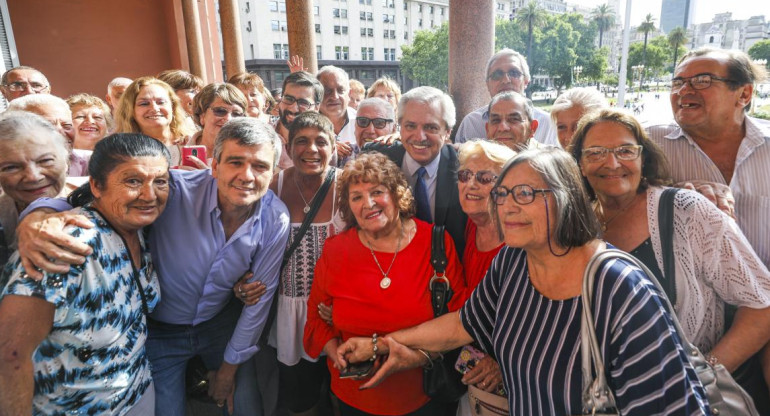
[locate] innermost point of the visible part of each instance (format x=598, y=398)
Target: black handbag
x=441, y=381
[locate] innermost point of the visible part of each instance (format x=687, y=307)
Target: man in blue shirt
x=217, y=227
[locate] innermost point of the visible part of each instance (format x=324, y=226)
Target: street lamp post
x=638, y=70
x=576, y=70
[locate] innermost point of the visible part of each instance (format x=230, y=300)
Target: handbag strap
x=315, y=205
x=666, y=224
x=440, y=290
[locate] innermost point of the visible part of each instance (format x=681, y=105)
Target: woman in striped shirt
x=527, y=309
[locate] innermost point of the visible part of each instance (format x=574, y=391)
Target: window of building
x=251, y=48
x=370, y=32
x=316, y=11
x=369, y=16
x=430, y=9
x=419, y=7
x=392, y=34
x=363, y=31
x=362, y=15
x=336, y=12
x=392, y=54
x=274, y=24
x=317, y=28
x=406, y=6
x=406, y=35
x=367, y=54
x=273, y=6
x=385, y=18
x=432, y=24
x=344, y=13
x=501, y=6
x=441, y=11
x=280, y=76
x=318, y=52
x=341, y=53
x=283, y=26
x=385, y=33
x=337, y=29
x=344, y=30
x=419, y=22
x=248, y=7
x=280, y=51
x=282, y=6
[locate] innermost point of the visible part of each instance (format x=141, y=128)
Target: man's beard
x=283, y=117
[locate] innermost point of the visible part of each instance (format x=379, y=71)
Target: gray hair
x=584, y=97
x=380, y=104
x=19, y=125
x=4, y=78
x=576, y=223
x=495, y=152
x=31, y=101
x=506, y=52
x=335, y=70
x=117, y=82
x=248, y=131
x=513, y=96
x=430, y=95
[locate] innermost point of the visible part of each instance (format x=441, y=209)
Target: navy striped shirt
x=537, y=342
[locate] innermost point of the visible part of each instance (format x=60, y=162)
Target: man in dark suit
x=426, y=116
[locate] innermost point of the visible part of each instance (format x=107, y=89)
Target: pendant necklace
x=605, y=223
x=307, y=206
x=385, y=282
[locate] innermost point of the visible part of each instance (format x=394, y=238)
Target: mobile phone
x=197, y=151
x=468, y=359
x=356, y=370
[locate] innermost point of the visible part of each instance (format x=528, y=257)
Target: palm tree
x=605, y=18
x=647, y=26
x=677, y=38
x=531, y=15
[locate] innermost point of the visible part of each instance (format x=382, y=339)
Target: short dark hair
x=576, y=222
x=314, y=120
x=655, y=170
x=741, y=69
x=248, y=131
x=110, y=152
x=305, y=79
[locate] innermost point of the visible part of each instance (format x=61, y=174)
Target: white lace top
x=714, y=264
x=294, y=286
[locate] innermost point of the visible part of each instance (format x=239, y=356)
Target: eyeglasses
x=697, y=82
x=302, y=103
x=483, y=177
x=222, y=112
x=22, y=86
x=522, y=194
x=597, y=154
x=499, y=74
x=379, y=123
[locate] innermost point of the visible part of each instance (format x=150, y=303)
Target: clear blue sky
x=704, y=9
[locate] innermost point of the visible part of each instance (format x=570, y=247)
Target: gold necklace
x=605, y=223
x=385, y=282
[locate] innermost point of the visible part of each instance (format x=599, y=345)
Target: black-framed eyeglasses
x=595, y=154
x=222, y=112
x=499, y=74
x=522, y=194
x=483, y=177
x=697, y=82
x=379, y=123
x=22, y=86
x=302, y=103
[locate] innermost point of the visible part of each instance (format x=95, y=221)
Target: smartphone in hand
x=357, y=370
x=197, y=151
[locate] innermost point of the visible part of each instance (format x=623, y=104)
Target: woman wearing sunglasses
x=527, y=309
x=214, y=106
x=480, y=163
x=714, y=265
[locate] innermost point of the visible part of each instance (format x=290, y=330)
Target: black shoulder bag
x=666, y=228
x=441, y=381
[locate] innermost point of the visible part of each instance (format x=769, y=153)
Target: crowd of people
x=289, y=243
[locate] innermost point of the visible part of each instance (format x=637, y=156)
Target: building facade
x=676, y=13
x=724, y=32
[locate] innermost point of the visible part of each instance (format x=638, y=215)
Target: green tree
x=647, y=26
x=604, y=17
x=677, y=38
x=657, y=56
x=533, y=16
x=559, y=40
x=509, y=34
x=760, y=50
x=426, y=60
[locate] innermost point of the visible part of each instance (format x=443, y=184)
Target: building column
x=471, y=43
x=301, y=27
x=194, y=37
x=231, y=37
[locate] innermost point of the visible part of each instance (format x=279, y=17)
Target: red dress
x=347, y=277
x=475, y=262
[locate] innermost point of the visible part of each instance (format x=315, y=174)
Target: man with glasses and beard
x=507, y=70
x=301, y=92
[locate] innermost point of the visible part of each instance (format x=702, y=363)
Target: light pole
x=638, y=69
x=576, y=70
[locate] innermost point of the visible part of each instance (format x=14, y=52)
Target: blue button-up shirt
x=198, y=266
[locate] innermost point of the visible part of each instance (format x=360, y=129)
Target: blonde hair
x=357, y=86
x=124, y=116
x=387, y=83
x=88, y=100
x=495, y=152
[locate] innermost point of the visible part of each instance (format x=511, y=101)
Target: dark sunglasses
x=499, y=74
x=379, y=123
x=483, y=177
x=221, y=112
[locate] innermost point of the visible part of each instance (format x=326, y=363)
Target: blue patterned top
x=93, y=361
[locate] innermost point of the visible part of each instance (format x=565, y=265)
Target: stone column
x=192, y=32
x=231, y=37
x=471, y=43
x=301, y=27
